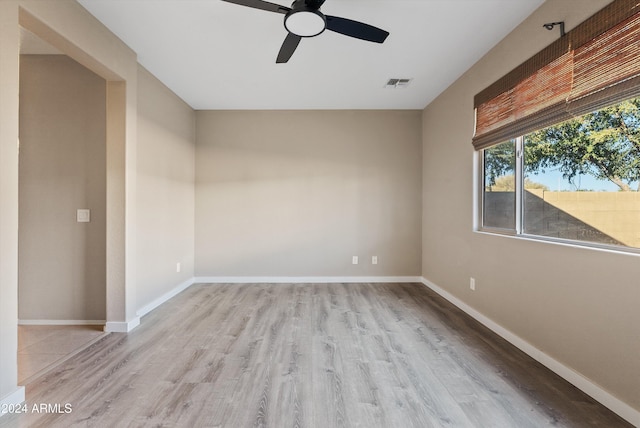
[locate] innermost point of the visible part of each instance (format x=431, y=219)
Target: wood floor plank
x=308, y=355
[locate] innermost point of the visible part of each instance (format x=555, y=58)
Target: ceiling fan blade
x=259, y=4
x=288, y=48
x=356, y=29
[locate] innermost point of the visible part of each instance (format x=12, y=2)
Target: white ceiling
x=218, y=55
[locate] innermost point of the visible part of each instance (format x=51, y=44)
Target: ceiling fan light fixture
x=305, y=23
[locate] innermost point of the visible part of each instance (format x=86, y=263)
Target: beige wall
x=578, y=305
x=282, y=193
x=62, y=168
x=166, y=148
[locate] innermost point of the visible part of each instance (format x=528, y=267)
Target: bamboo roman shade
x=594, y=65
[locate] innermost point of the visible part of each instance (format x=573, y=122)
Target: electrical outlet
x=374, y=260
x=472, y=283
x=178, y=267
x=354, y=260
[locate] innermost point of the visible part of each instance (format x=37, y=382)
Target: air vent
x=397, y=83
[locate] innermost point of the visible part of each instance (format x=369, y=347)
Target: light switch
x=83, y=216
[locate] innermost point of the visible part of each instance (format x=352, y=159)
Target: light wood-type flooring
x=307, y=355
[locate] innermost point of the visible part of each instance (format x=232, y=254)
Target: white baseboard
x=121, y=327
x=61, y=322
x=567, y=373
x=160, y=300
x=13, y=399
x=302, y=279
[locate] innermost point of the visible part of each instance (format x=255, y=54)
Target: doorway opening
x=62, y=207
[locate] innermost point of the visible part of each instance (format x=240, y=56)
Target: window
x=578, y=180
x=560, y=136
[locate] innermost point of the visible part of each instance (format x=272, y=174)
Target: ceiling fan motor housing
x=305, y=20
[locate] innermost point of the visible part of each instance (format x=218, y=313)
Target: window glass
x=582, y=177
x=499, y=190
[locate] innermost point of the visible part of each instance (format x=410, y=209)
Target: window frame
x=481, y=197
x=518, y=231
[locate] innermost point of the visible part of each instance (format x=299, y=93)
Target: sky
x=554, y=181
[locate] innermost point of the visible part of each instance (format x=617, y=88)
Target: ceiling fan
x=304, y=19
